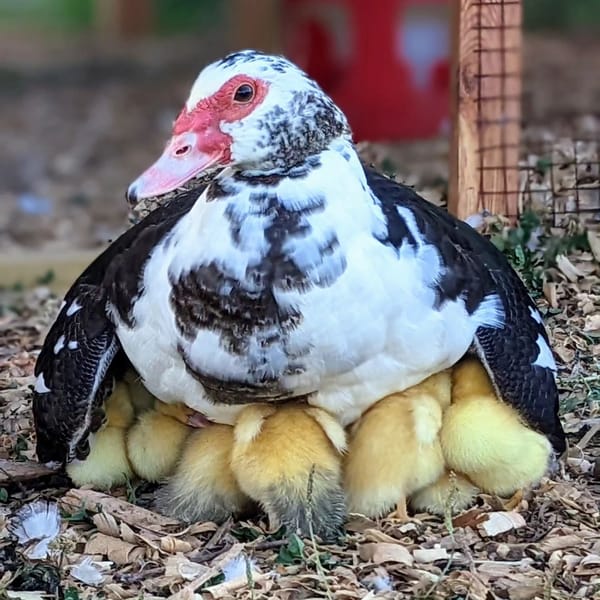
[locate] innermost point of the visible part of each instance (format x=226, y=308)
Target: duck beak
x=180, y=162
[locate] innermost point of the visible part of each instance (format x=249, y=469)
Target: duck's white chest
x=270, y=292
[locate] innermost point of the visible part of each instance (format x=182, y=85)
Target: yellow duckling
x=289, y=459
x=107, y=464
x=394, y=449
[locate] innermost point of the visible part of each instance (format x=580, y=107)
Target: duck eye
x=244, y=93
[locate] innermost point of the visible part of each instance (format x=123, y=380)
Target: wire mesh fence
x=559, y=174
x=506, y=166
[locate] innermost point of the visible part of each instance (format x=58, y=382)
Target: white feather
x=89, y=571
x=37, y=522
x=60, y=344
x=40, y=385
x=73, y=308
x=545, y=359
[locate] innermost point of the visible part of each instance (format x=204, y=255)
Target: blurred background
x=89, y=90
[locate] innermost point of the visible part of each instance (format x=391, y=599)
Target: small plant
x=293, y=552
x=532, y=247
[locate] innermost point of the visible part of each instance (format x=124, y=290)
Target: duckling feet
x=514, y=500
x=401, y=513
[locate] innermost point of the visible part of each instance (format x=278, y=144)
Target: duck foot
x=514, y=500
x=401, y=513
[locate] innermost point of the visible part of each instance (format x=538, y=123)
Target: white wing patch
x=535, y=315
x=75, y=306
x=72, y=345
x=545, y=358
x=411, y=223
x=40, y=385
x=60, y=344
x=490, y=313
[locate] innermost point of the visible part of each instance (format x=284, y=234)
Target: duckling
x=107, y=464
x=451, y=493
x=394, y=449
x=141, y=398
x=486, y=439
x=204, y=487
x=289, y=459
x=155, y=442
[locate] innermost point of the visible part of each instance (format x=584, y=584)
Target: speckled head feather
x=295, y=119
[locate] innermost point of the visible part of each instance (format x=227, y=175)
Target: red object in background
x=384, y=62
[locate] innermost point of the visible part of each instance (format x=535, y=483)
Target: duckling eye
x=244, y=93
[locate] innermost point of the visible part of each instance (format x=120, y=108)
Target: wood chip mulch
x=544, y=544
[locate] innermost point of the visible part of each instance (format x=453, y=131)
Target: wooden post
x=486, y=110
x=122, y=18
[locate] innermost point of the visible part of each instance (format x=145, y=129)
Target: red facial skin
x=198, y=143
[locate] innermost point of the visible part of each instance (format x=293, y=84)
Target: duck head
x=250, y=111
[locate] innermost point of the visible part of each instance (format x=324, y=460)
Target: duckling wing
x=513, y=345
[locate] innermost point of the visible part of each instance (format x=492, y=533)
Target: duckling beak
x=181, y=161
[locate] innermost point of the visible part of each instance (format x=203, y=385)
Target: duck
x=155, y=441
x=204, y=486
x=394, y=449
x=295, y=272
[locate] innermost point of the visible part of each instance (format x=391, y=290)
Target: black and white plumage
x=299, y=272
x=81, y=356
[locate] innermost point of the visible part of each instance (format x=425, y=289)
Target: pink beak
x=180, y=162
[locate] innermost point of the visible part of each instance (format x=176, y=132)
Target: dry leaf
x=107, y=524
x=118, y=551
x=127, y=533
x=549, y=289
x=173, y=545
x=125, y=512
x=470, y=518
x=569, y=270
x=189, y=589
x=594, y=241
x=500, y=522
x=225, y=589
x=559, y=542
x=182, y=568
x=376, y=535
x=429, y=555
x=382, y=552
x=27, y=470
x=526, y=590
x=592, y=323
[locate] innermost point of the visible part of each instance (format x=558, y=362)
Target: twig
x=320, y=570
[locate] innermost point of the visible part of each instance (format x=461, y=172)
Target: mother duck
x=298, y=271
